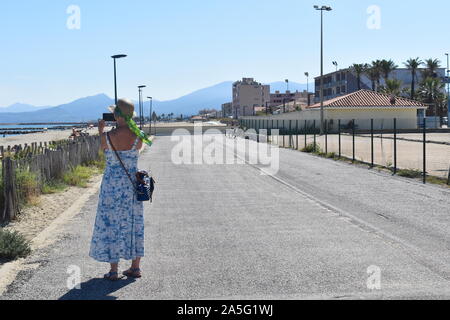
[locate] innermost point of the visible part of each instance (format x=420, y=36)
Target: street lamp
x=115, y=57
x=321, y=9
x=141, y=113
x=287, y=85
x=448, y=89
x=151, y=114
x=307, y=86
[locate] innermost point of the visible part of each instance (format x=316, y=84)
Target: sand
x=33, y=220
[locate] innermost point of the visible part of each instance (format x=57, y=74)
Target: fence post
x=306, y=132
x=353, y=134
x=424, y=150
x=10, y=195
x=395, y=145
x=326, y=136
x=371, y=144
x=296, y=135
x=314, y=128
x=339, y=134
x=290, y=133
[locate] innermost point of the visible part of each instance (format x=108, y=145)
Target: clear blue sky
x=182, y=45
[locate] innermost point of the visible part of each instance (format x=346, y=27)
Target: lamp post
x=448, y=90
x=115, y=57
x=307, y=86
x=141, y=113
x=151, y=114
x=287, y=85
x=321, y=9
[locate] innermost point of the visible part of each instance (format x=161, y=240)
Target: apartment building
x=278, y=99
x=249, y=96
x=227, y=109
x=344, y=81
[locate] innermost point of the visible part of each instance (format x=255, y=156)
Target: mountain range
x=92, y=108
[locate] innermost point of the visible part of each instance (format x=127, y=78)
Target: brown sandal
x=111, y=276
x=133, y=273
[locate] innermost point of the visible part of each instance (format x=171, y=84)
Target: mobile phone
x=109, y=117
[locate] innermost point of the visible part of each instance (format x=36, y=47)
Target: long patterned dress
x=119, y=225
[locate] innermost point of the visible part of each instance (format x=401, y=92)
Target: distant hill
x=92, y=108
x=20, y=107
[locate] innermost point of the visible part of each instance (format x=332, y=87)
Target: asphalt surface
x=230, y=232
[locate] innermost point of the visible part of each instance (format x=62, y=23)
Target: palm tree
x=393, y=86
x=431, y=92
x=413, y=65
x=373, y=72
x=431, y=67
x=386, y=67
x=359, y=69
x=377, y=67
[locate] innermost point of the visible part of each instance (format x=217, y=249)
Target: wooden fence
x=44, y=162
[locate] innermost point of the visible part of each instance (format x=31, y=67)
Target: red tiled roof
x=367, y=98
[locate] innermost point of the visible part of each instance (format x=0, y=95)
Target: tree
x=431, y=92
x=413, y=65
x=386, y=67
x=154, y=116
x=359, y=69
x=376, y=71
x=393, y=86
x=374, y=75
x=431, y=68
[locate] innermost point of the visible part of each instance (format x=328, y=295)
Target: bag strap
x=120, y=160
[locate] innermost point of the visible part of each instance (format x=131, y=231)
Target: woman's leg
x=136, y=263
x=114, y=267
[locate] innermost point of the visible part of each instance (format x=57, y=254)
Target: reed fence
x=43, y=163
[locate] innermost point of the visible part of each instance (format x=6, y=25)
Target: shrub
x=27, y=186
x=13, y=245
x=79, y=176
x=312, y=148
x=410, y=173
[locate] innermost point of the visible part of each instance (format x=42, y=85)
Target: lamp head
x=143, y=86
x=118, y=56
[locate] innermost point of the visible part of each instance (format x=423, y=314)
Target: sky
x=51, y=55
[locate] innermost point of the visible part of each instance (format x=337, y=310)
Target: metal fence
x=42, y=163
x=377, y=142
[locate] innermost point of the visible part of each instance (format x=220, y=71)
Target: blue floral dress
x=119, y=225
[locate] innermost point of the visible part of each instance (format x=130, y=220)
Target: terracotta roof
x=367, y=98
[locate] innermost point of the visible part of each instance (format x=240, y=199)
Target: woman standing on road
x=119, y=225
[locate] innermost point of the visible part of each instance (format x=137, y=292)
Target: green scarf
x=134, y=128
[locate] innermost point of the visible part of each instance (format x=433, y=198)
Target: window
x=343, y=89
x=338, y=77
x=338, y=90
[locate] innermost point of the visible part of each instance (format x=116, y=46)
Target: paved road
x=229, y=232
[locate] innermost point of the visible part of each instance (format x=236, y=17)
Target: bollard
x=395, y=146
x=353, y=134
x=371, y=143
x=339, y=137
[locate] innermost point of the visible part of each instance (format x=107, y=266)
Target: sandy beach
x=51, y=135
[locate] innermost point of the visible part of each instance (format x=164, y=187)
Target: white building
x=249, y=95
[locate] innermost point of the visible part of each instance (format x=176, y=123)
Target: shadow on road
x=97, y=289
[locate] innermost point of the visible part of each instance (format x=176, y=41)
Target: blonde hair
x=126, y=106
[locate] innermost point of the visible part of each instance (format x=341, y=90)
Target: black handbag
x=145, y=184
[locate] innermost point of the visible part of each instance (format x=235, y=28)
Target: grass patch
x=13, y=245
x=312, y=148
x=79, y=176
x=410, y=173
x=53, y=187
x=100, y=163
x=27, y=187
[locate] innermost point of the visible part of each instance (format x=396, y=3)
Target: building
x=344, y=81
x=301, y=99
x=248, y=95
x=227, y=109
x=361, y=106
